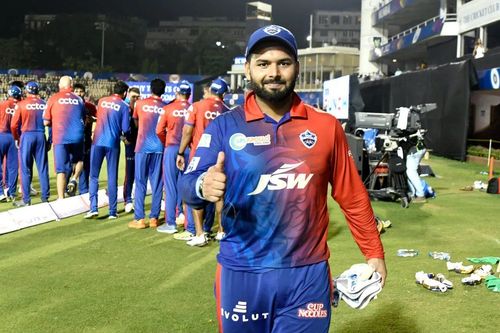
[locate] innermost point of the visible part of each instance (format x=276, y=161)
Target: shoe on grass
x=129, y=207
x=419, y=200
x=21, y=204
x=180, y=219
x=198, y=241
x=113, y=217
x=154, y=222
x=137, y=224
x=184, y=236
x=91, y=215
x=220, y=235
x=167, y=229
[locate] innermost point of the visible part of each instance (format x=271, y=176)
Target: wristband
x=180, y=154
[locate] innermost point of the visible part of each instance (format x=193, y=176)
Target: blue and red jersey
x=147, y=111
x=169, y=128
x=201, y=114
x=66, y=112
x=7, y=110
x=275, y=205
x=112, y=121
x=28, y=116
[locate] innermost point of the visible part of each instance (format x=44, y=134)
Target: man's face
x=272, y=72
x=133, y=97
x=80, y=92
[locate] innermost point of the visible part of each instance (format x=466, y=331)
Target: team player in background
x=169, y=131
x=112, y=124
x=133, y=96
x=90, y=114
x=201, y=114
x=29, y=134
x=272, y=163
x=8, y=151
x=65, y=113
x=148, y=156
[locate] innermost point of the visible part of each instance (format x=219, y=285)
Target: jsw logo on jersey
x=282, y=179
x=70, y=101
x=211, y=115
x=35, y=106
x=10, y=110
x=110, y=105
x=152, y=109
x=180, y=113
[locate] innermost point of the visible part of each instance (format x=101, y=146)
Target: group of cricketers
x=158, y=137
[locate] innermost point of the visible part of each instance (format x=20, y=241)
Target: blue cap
x=32, y=88
x=15, y=91
x=219, y=86
x=275, y=33
x=184, y=87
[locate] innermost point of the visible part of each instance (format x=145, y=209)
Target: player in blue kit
x=133, y=96
x=112, y=123
x=169, y=130
x=29, y=133
x=65, y=113
x=8, y=150
x=148, y=156
x=272, y=163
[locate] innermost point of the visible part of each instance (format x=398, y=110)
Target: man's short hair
x=158, y=87
x=120, y=88
x=134, y=89
x=65, y=82
x=79, y=86
x=273, y=33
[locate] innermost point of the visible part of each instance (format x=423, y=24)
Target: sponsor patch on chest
x=308, y=139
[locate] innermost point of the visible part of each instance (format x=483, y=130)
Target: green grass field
x=82, y=275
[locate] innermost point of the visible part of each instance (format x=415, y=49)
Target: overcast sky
x=293, y=14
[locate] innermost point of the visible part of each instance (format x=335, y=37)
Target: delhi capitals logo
x=272, y=30
x=308, y=138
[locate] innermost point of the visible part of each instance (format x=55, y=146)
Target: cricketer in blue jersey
x=148, y=156
x=8, y=152
x=28, y=130
x=272, y=163
x=112, y=123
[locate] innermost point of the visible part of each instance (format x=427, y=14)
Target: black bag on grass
x=493, y=186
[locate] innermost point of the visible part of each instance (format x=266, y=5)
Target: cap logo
x=272, y=30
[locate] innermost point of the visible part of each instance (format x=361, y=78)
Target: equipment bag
x=493, y=186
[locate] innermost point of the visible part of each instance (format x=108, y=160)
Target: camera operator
x=414, y=149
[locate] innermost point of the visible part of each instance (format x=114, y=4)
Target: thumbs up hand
x=214, y=183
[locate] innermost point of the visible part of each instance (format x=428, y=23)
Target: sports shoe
x=129, y=207
x=441, y=278
x=180, y=219
x=220, y=235
x=167, y=229
x=112, y=217
x=184, y=236
x=458, y=267
x=484, y=271
x=91, y=215
x=154, y=222
x=471, y=280
x=3, y=198
x=198, y=241
x=137, y=224
x=419, y=200
x=21, y=203
x=71, y=188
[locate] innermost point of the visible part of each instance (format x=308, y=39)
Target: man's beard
x=273, y=96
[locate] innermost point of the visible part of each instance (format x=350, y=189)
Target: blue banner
x=489, y=79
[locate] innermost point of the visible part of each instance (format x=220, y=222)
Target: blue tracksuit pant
x=33, y=146
x=129, y=172
x=148, y=166
x=8, y=151
x=97, y=155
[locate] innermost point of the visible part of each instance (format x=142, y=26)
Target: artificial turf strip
x=96, y=275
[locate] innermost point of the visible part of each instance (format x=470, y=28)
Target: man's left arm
x=350, y=193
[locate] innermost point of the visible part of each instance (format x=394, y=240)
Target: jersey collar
x=253, y=112
x=66, y=90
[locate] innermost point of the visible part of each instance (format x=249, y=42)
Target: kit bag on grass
x=493, y=186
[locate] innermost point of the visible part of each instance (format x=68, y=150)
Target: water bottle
x=440, y=255
x=407, y=253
